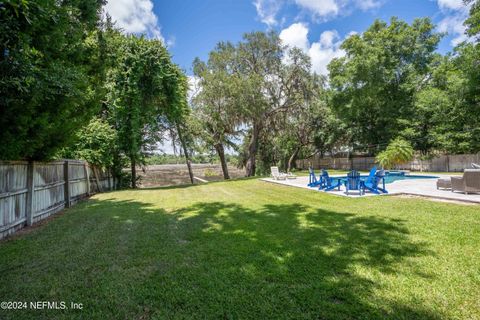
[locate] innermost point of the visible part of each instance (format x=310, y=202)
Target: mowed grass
x=248, y=250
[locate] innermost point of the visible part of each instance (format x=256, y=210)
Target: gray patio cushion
x=469, y=182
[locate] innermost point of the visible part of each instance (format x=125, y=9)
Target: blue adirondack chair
x=371, y=174
x=328, y=183
x=312, y=180
x=373, y=181
x=353, y=182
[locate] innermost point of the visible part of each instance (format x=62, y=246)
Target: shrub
x=399, y=151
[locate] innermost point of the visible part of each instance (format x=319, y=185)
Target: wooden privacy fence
x=363, y=163
x=442, y=163
x=32, y=191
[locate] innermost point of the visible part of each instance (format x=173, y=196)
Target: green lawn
x=248, y=249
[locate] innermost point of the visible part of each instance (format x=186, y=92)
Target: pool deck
x=413, y=187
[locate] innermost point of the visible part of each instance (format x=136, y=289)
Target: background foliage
x=73, y=85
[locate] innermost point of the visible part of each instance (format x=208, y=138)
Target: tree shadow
x=223, y=260
x=292, y=261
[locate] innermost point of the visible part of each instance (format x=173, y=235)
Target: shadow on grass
x=224, y=260
x=196, y=184
x=300, y=261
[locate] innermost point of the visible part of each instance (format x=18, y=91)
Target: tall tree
x=51, y=69
x=293, y=131
x=374, y=85
x=185, y=139
x=214, y=105
x=448, y=103
x=146, y=90
x=266, y=85
x=473, y=21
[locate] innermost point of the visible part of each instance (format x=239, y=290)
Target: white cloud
x=451, y=4
x=455, y=12
x=321, y=52
x=267, y=11
x=320, y=8
x=135, y=16
x=295, y=36
x=328, y=9
x=366, y=5
x=325, y=50
x=351, y=33
x=453, y=25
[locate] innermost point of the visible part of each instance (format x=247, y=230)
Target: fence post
x=109, y=182
x=31, y=190
x=66, y=186
x=87, y=175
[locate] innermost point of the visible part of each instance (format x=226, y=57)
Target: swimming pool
x=394, y=176
x=391, y=178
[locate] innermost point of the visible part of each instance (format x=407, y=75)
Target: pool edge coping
x=269, y=180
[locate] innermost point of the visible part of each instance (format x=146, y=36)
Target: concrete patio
x=416, y=187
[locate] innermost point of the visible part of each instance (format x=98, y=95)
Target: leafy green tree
x=214, y=105
x=267, y=87
x=330, y=133
x=257, y=66
x=374, y=85
x=51, y=69
x=96, y=143
x=294, y=131
x=146, y=90
x=446, y=117
x=473, y=21
x=467, y=116
x=185, y=138
x=399, y=151
x=266, y=90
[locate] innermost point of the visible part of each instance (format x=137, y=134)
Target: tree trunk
x=133, y=171
x=252, y=151
x=221, y=154
x=189, y=167
x=185, y=152
x=292, y=158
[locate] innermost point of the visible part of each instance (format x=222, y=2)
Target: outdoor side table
x=444, y=183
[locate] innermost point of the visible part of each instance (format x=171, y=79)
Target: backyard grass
x=248, y=249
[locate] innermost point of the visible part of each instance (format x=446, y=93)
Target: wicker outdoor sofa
x=468, y=183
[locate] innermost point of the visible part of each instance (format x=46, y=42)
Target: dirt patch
x=177, y=174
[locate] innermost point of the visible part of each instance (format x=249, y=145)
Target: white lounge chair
x=277, y=175
x=291, y=176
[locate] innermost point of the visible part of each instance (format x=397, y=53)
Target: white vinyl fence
x=32, y=191
x=443, y=163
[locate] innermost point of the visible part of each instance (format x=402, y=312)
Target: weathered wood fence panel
x=13, y=196
x=442, y=163
x=100, y=180
x=48, y=186
x=77, y=181
x=32, y=191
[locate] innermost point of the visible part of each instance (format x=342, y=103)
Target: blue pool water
x=393, y=176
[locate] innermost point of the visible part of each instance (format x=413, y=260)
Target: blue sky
x=191, y=28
